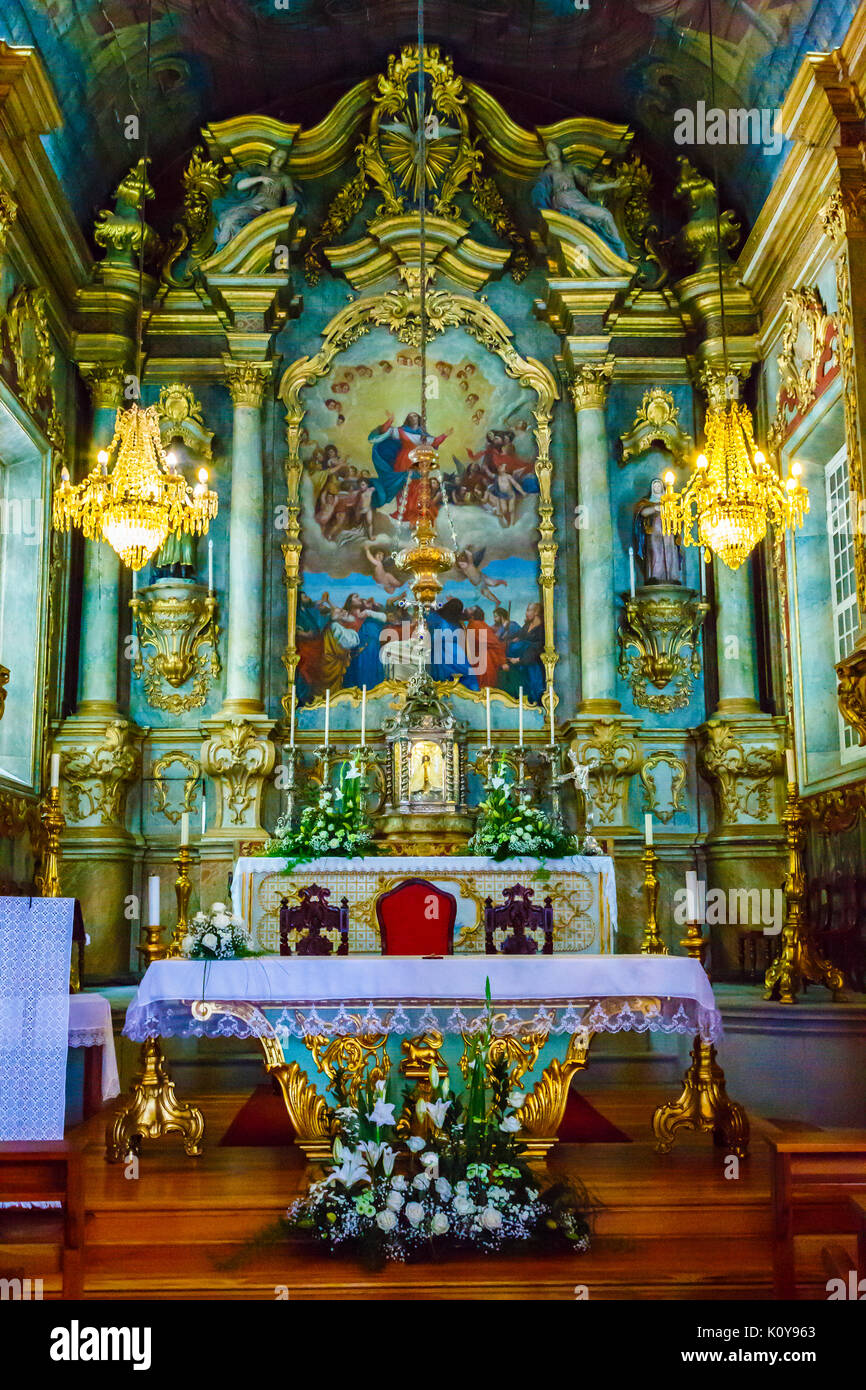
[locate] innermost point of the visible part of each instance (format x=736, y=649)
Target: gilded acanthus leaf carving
x=741, y=775
x=97, y=779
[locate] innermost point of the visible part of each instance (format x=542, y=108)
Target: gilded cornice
x=838, y=809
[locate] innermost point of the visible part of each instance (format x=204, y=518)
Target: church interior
x=496, y=945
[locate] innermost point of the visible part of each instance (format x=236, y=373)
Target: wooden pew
x=814, y=1174
x=50, y=1172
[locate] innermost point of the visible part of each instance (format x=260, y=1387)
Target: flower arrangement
x=216, y=935
x=335, y=824
x=508, y=824
x=460, y=1182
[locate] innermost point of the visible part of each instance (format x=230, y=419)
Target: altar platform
x=582, y=889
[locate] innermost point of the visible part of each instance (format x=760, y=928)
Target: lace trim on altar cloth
x=172, y=1019
x=87, y=1037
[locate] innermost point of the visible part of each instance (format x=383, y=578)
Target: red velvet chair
x=417, y=919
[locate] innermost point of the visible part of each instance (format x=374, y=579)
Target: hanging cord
x=145, y=141
x=716, y=182
x=422, y=213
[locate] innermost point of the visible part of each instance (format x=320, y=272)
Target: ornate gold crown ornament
x=425, y=557
x=141, y=500
x=733, y=494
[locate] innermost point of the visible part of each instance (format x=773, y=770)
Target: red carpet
x=262, y=1122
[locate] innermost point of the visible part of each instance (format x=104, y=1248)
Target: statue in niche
x=566, y=188
x=176, y=557
x=261, y=191
x=660, y=555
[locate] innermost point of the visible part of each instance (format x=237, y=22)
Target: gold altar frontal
x=584, y=917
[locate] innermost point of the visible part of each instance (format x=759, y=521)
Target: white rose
x=516, y=1099
x=440, y=1223
x=510, y=1125
x=443, y=1187
x=210, y=940
x=491, y=1219
x=218, y=907
x=415, y=1213
x=421, y=1182
x=395, y=1201
x=386, y=1220
x=415, y=1142
x=399, y=1183
x=464, y=1206
x=462, y=1189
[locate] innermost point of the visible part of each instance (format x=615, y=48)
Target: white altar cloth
x=405, y=994
x=583, y=889
x=90, y=1026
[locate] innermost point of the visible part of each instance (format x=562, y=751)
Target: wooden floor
x=671, y=1227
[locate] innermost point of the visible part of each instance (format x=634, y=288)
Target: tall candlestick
x=184, y=828
x=648, y=829
x=55, y=770
x=292, y=720
x=631, y=570
x=210, y=565
x=327, y=715
x=363, y=716
x=520, y=717
x=487, y=702
x=153, y=900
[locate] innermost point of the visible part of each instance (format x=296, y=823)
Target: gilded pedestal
x=703, y=1105
x=152, y=1110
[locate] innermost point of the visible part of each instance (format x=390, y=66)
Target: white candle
x=487, y=701
x=292, y=721
x=363, y=716
x=134, y=581
x=210, y=565
x=153, y=900
x=520, y=725
x=552, y=733
x=184, y=828
x=327, y=715
x=648, y=829
x=631, y=570
x=702, y=565
x=789, y=761
x=203, y=810
x=55, y=770
x=691, y=896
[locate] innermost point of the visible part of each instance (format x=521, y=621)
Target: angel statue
x=565, y=188
x=263, y=191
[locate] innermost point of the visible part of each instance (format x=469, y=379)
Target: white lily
x=382, y=1113
x=352, y=1170
x=437, y=1110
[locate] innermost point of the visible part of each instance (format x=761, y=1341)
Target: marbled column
x=100, y=605
x=246, y=382
x=735, y=639
x=589, y=387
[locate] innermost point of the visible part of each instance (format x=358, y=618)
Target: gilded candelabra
x=652, y=944
x=53, y=825
x=519, y=756
x=292, y=759
x=552, y=755
x=183, y=889
x=798, y=960
x=151, y=948
x=484, y=764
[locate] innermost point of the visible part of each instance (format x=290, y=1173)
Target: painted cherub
x=385, y=578
x=468, y=563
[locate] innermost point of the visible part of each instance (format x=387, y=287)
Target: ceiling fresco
x=624, y=60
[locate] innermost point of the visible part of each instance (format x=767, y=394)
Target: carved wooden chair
x=317, y=920
x=521, y=920
x=417, y=919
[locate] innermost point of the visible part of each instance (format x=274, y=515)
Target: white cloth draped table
x=583, y=889
x=90, y=1026
x=408, y=994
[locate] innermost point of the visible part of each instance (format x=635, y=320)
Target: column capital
x=105, y=383
x=590, y=383
x=247, y=380
x=717, y=386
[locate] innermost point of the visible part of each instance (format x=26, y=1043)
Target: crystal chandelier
x=733, y=493
x=137, y=504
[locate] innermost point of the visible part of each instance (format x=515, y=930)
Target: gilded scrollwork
x=180, y=417
x=159, y=798
x=121, y=230
x=192, y=237
x=240, y=756
x=612, y=757
x=25, y=322
x=351, y=1060
x=8, y=214
x=741, y=775
x=707, y=237
x=657, y=422
x=651, y=792
x=662, y=629
x=97, y=779
x=183, y=630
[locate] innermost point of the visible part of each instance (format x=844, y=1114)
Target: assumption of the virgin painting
x=359, y=502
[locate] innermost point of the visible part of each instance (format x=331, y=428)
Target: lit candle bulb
x=363, y=716
x=184, y=829
x=520, y=718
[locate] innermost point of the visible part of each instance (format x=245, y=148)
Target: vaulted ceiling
x=624, y=60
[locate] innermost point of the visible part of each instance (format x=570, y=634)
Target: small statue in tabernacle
x=175, y=558
x=263, y=191
x=660, y=555
x=566, y=188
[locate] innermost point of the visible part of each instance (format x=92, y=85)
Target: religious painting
x=359, y=498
